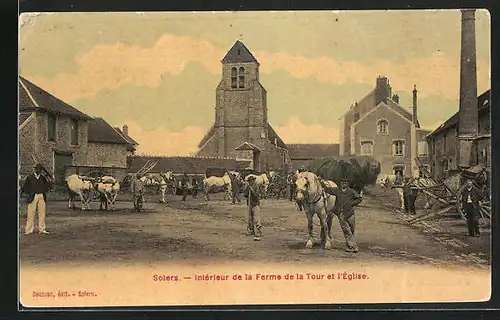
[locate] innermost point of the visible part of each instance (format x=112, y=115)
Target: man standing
x=398, y=186
x=469, y=200
x=185, y=186
x=254, y=223
x=235, y=188
x=291, y=184
x=137, y=187
x=36, y=187
x=346, y=200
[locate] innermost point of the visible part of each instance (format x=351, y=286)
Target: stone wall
x=107, y=155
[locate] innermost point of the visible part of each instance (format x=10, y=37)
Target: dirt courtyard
x=215, y=230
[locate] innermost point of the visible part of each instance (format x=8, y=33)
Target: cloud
x=294, y=131
x=162, y=141
x=107, y=67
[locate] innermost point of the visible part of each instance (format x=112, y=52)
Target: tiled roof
x=483, y=102
x=313, y=151
x=207, y=136
x=272, y=135
x=238, y=53
x=401, y=110
x=132, y=141
x=101, y=131
x=185, y=164
x=23, y=116
x=32, y=97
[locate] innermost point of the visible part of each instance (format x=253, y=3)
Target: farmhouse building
x=64, y=139
x=50, y=131
x=241, y=128
x=302, y=154
x=380, y=127
x=444, y=153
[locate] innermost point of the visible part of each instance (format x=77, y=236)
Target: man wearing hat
x=254, y=223
x=137, y=187
x=469, y=201
x=346, y=200
x=36, y=187
x=409, y=195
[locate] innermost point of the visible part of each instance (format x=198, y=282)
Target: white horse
x=108, y=188
x=389, y=181
x=160, y=180
x=78, y=185
x=214, y=182
x=261, y=181
x=312, y=197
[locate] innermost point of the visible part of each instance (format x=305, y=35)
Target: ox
x=311, y=196
x=160, y=180
x=107, y=188
x=213, y=182
x=261, y=181
x=78, y=185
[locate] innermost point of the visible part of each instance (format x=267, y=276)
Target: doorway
x=61, y=161
x=399, y=170
x=256, y=161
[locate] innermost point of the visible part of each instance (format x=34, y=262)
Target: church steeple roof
x=239, y=53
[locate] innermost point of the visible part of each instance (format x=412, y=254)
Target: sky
x=157, y=71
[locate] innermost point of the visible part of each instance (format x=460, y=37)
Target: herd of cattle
x=106, y=188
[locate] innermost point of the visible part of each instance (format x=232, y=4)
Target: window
x=366, y=148
x=382, y=126
x=52, y=127
x=241, y=78
x=422, y=148
x=74, y=132
x=398, y=148
x=234, y=77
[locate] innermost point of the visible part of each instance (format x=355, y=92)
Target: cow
x=262, y=181
x=107, y=187
x=213, y=182
x=81, y=186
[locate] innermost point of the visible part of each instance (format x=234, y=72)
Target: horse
x=107, y=188
x=214, y=182
x=313, y=198
x=78, y=185
x=261, y=181
x=160, y=180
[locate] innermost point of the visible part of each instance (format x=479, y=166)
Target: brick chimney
x=415, y=109
x=395, y=98
x=467, y=115
x=125, y=130
x=382, y=90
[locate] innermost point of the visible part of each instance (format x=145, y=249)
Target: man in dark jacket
x=36, y=187
x=410, y=195
x=469, y=200
x=254, y=221
x=235, y=188
x=346, y=200
x=291, y=184
x=185, y=186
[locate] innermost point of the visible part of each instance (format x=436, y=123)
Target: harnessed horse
x=313, y=198
x=261, y=181
x=161, y=180
x=214, y=182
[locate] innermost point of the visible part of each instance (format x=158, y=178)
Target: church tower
x=241, y=127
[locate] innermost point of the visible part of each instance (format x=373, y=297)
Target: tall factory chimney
x=467, y=115
x=415, y=110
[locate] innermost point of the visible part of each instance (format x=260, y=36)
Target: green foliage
x=361, y=171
